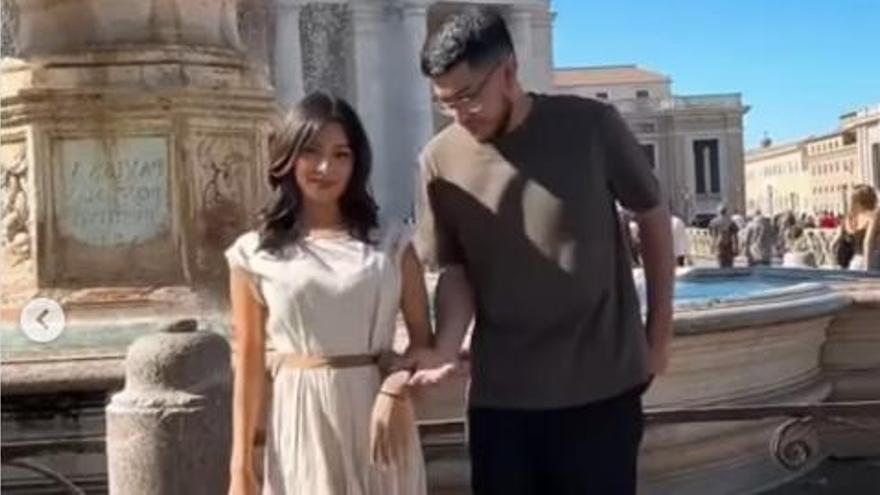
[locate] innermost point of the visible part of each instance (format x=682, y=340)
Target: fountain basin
x=742, y=337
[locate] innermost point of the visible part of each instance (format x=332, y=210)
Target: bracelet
x=392, y=395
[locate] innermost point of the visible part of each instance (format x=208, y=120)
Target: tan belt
x=300, y=361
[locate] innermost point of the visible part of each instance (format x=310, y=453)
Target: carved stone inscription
x=112, y=193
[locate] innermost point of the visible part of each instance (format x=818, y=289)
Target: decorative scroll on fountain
x=795, y=444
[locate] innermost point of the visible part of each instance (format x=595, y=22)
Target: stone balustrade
x=700, y=243
x=818, y=240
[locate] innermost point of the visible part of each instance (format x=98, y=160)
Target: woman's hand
x=243, y=481
x=391, y=427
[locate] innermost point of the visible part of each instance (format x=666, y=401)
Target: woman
x=862, y=223
x=322, y=285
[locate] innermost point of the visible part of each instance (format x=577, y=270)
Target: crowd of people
x=765, y=240
x=781, y=239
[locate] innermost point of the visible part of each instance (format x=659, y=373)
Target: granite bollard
x=169, y=429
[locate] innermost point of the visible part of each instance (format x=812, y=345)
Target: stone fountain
x=132, y=152
x=133, y=143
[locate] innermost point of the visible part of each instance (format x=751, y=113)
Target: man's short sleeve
x=628, y=170
x=434, y=241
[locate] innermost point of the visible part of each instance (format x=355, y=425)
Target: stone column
x=734, y=172
x=371, y=63
x=169, y=429
x=415, y=108
x=520, y=25
x=288, y=53
x=542, y=31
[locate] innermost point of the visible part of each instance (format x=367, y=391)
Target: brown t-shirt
x=532, y=218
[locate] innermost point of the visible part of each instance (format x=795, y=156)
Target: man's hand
x=432, y=366
x=659, y=281
x=658, y=360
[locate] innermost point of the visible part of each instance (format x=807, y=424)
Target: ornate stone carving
x=223, y=164
x=15, y=207
x=795, y=444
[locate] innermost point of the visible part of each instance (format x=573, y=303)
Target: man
x=724, y=238
x=680, y=245
x=760, y=240
x=518, y=209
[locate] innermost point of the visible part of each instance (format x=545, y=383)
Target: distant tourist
x=630, y=231
x=862, y=222
x=680, y=244
x=518, y=211
x=635, y=240
x=807, y=221
x=787, y=221
x=843, y=248
x=797, y=250
x=322, y=284
x=828, y=221
x=724, y=238
x=760, y=240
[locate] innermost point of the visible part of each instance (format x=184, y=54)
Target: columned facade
x=288, y=53
x=380, y=72
x=864, y=124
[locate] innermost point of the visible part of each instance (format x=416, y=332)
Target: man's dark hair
x=477, y=35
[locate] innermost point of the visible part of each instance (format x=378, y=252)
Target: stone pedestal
x=133, y=141
x=169, y=430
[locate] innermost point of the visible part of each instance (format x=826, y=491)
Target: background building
x=833, y=164
x=818, y=173
x=777, y=178
x=695, y=142
x=368, y=52
x=865, y=125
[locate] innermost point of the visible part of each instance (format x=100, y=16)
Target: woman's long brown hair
x=280, y=220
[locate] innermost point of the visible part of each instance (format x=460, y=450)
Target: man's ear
x=512, y=67
x=511, y=71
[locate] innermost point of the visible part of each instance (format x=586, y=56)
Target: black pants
x=590, y=449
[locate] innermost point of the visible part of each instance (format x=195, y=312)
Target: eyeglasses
x=468, y=104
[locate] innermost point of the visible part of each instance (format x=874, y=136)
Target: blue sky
x=798, y=64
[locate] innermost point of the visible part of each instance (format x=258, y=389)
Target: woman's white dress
x=325, y=297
